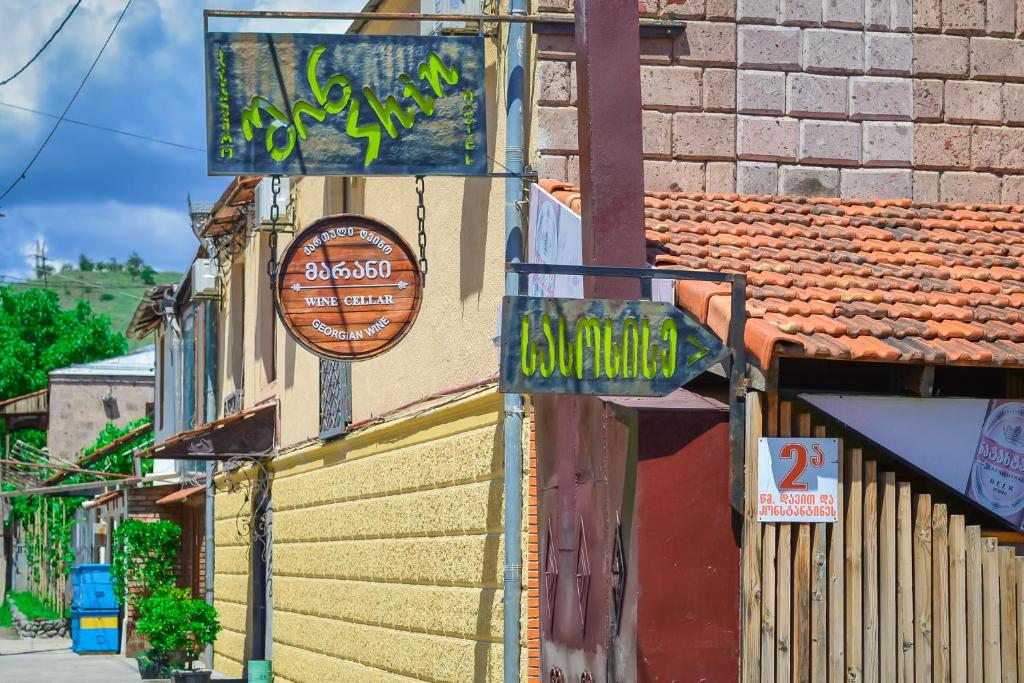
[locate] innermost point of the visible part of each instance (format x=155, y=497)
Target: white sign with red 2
x=797, y=480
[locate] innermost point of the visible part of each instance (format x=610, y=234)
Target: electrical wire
x=45, y=45
x=74, y=97
x=104, y=128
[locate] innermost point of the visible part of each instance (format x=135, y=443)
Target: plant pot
x=197, y=676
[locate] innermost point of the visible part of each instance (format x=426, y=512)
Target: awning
x=181, y=495
x=100, y=453
x=102, y=500
x=250, y=433
x=28, y=411
x=680, y=399
x=149, y=312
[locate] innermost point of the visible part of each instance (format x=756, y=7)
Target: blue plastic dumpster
x=92, y=588
x=94, y=632
x=94, y=610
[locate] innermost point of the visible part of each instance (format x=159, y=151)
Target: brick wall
x=191, y=555
x=852, y=98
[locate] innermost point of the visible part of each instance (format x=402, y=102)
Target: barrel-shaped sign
x=348, y=287
x=604, y=347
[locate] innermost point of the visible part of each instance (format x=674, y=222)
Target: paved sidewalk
x=64, y=666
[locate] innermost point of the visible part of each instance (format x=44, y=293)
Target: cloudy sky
x=95, y=192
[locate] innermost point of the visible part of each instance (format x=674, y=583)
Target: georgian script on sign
x=349, y=287
x=601, y=347
x=304, y=104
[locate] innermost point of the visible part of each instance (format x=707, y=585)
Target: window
x=188, y=369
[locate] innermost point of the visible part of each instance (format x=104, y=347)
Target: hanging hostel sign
x=348, y=287
x=311, y=104
x=601, y=347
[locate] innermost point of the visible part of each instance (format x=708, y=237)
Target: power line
x=45, y=45
x=103, y=128
x=74, y=97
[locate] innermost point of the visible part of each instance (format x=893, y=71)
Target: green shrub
x=143, y=554
x=171, y=620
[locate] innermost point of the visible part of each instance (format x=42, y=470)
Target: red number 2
x=789, y=482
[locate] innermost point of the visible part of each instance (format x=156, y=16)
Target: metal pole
x=513, y=427
x=211, y=414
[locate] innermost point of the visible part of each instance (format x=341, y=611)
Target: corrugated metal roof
x=140, y=362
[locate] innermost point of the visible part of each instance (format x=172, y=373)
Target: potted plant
x=171, y=620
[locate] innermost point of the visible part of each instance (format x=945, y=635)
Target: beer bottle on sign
x=997, y=475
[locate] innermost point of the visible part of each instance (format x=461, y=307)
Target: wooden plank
x=768, y=608
x=751, y=550
x=784, y=572
x=802, y=605
x=990, y=611
x=836, y=576
x=1008, y=613
x=784, y=604
x=870, y=550
x=819, y=595
x=889, y=643
x=975, y=605
x=957, y=600
x=854, y=541
x=923, y=588
x=1019, y=567
x=904, y=585
x=940, y=594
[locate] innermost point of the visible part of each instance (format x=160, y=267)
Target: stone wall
x=852, y=98
x=50, y=628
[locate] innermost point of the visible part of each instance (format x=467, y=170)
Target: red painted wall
x=688, y=542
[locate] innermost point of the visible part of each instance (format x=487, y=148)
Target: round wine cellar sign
x=348, y=287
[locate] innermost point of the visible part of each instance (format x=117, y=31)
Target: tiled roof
x=884, y=280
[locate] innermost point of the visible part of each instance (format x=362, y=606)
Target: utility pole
x=42, y=270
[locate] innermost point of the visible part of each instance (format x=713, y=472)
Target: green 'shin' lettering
x=627, y=352
x=333, y=96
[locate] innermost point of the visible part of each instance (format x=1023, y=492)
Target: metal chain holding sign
x=275, y=190
x=421, y=219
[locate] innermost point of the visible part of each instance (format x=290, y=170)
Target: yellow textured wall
x=387, y=551
x=230, y=580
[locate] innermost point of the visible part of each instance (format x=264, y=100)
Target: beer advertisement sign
x=353, y=105
x=348, y=287
x=974, y=447
x=797, y=480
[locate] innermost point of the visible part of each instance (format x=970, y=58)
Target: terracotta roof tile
x=866, y=280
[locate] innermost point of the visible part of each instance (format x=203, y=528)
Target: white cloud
x=99, y=230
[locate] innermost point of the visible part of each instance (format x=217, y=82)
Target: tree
x=114, y=266
x=134, y=264
x=37, y=337
x=85, y=264
x=148, y=275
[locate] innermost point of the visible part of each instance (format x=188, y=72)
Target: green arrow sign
x=601, y=347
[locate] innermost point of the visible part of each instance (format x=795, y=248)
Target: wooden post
x=905, y=585
x=784, y=593
x=854, y=565
x=940, y=595
x=923, y=588
x=870, y=567
x=957, y=600
x=975, y=605
x=1008, y=613
x=990, y=610
x=887, y=632
x=751, y=552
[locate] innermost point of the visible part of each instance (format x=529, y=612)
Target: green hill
x=114, y=294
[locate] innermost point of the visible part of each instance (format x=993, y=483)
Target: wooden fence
x=898, y=590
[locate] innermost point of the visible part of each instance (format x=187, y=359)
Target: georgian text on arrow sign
x=601, y=347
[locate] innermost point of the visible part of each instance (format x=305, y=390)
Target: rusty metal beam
x=610, y=141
